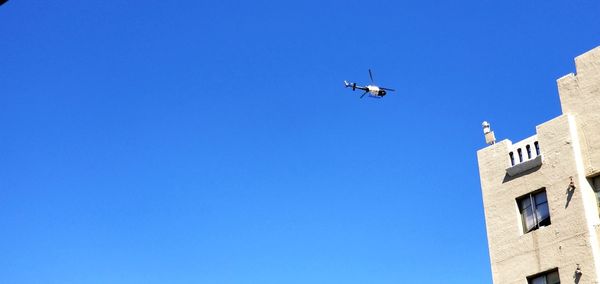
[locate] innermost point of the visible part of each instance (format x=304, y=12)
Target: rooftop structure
x=541, y=195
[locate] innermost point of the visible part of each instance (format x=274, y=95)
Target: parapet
x=580, y=97
x=580, y=92
x=524, y=155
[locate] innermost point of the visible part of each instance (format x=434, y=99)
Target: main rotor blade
x=371, y=75
x=387, y=89
x=364, y=94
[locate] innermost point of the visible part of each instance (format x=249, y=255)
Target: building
x=541, y=195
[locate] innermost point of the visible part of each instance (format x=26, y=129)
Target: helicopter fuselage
x=372, y=90
x=375, y=91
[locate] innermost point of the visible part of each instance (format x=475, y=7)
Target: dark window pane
x=553, y=278
x=539, y=280
x=540, y=197
x=542, y=214
x=524, y=203
x=541, y=209
x=528, y=220
x=596, y=184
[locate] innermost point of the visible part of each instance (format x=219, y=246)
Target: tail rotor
x=348, y=84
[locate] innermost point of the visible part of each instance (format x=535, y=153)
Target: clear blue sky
x=214, y=142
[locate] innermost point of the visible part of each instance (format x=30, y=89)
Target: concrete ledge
x=525, y=166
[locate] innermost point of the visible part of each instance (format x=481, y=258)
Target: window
x=534, y=210
x=550, y=277
x=528, y=152
x=595, y=183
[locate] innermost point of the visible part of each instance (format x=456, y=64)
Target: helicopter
x=372, y=90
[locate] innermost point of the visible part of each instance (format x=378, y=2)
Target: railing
x=524, y=155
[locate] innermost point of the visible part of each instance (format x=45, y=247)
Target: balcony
x=523, y=156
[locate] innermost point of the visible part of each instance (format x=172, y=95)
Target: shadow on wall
x=508, y=178
x=570, y=192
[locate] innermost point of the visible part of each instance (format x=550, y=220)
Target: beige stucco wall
x=580, y=97
x=570, y=148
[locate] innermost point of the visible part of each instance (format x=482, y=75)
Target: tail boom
x=348, y=84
